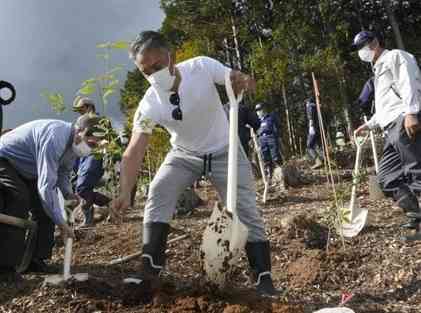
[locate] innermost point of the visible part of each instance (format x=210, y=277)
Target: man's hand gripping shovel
x=60, y=279
x=357, y=215
x=225, y=236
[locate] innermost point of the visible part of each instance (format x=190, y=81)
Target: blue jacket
x=89, y=172
x=367, y=95
x=268, y=125
x=311, y=111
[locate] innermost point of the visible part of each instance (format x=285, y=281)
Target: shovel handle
x=17, y=222
x=373, y=146
x=233, y=146
x=360, y=143
x=67, y=258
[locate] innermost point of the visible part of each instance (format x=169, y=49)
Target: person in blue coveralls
x=268, y=134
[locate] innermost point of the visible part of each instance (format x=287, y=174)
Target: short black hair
x=147, y=40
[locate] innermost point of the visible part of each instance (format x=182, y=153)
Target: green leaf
x=104, y=56
x=115, y=69
x=55, y=100
x=89, y=81
x=87, y=89
x=99, y=134
x=108, y=93
x=120, y=45
x=103, y=45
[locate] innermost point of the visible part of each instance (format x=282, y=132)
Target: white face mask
x=260, y=113
x=81, y=149
x=366, y=54
x=162, y=79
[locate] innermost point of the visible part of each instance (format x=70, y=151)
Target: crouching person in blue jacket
x=89, y=171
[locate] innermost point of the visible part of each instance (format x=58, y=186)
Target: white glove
x=311, y=131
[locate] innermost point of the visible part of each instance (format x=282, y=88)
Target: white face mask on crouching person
x=162, y=79
x=366, y=54
x=260, y=113
x=81, y=149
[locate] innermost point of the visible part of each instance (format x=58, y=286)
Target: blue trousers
x=270, y=148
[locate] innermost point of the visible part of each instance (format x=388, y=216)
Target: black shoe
x=258, y=254
x=412, y=223
x=9, y=275
x=39, y=266
x=406, y=200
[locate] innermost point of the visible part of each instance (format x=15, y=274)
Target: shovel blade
x=223, y=240
x=60, y=279
x=358, y=221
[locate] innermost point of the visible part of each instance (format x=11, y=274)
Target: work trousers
x=18, y=197
x=89, y=198
x=181, y=169
x=270, y=149
x=400, y=166
x=313, y=146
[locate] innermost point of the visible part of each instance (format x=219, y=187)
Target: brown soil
x=304, y=271
x=312, y=268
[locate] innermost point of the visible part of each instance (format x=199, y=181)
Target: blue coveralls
x=89, y=172
x=268, y=138
x=313, y=140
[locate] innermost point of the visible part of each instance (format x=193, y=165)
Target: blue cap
x=361, y=39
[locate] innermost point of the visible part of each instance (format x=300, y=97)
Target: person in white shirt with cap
x=397, y=97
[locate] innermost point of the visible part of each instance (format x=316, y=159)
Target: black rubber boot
x=154, y=245
x=408, y=201
x=153, y=258
x=258, y=254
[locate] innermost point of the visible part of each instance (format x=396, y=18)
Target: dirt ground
x=312, y=266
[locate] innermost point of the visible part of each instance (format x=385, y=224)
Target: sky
x=51, y=45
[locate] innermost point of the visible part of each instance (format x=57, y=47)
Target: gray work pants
x=181, y=169
x=400, y=166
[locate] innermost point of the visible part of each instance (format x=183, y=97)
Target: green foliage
x=110, y=151
x=104, y=85
x=55, y=100
x=281, y=43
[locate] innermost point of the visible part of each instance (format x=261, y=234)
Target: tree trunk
x=236, y=45
x=290, y=134
x=394, y=24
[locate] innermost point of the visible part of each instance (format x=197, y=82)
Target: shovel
x=225, y=236
x=358, y=216
x=373, y=184
x=261, y=166
x=59, y=279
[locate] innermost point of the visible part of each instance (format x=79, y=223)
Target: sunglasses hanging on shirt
x=177, y=114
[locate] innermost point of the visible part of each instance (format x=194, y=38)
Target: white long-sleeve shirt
x=397, y=87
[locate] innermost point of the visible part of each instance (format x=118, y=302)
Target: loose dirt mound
x=304, y=271
x=313, y=234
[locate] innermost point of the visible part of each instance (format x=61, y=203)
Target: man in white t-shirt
x=183, y=98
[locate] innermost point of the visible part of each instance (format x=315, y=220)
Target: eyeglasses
x=177, y=114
